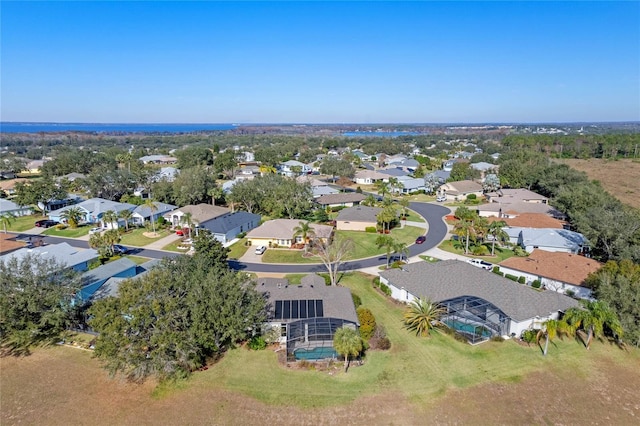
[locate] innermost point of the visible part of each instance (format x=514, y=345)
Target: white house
x=479, y=304
x=547, y=239
x=94, y=210
x=9, y=207
x=294, y=168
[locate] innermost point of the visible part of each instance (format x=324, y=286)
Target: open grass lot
x=24, y=223
x=68, y=232
x=238, y=249
x=364, y=246
x=419, y=381
x=621, y=178
x=135, y=237
x=500, y=253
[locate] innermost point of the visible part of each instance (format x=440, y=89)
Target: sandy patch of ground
x=65, y=386
x=620, y=178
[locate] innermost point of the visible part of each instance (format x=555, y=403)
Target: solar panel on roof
x=278, y=312
x=298, y=309
x=286, y=309
x=311, y=308
x=303, y=309
x=294, y=309
x=319, y=309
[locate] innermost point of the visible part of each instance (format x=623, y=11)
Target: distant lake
x=379, y=134
x=13, y=127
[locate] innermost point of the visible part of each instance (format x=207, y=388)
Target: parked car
x=260, y=249
x=46, y=223
x=480, y=264
x=95, y=231
x=118, y=249
x=182, y=231
x=421, y=239
x=441, y=198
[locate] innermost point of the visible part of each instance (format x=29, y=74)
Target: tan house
x=557, y=271
x=369, y=177
x=516, y=195
x=200, y=213
x=357, y=218
x=460, y=190
x=280, y=232
x=513, y=210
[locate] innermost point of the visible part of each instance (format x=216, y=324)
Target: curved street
x=436, y=232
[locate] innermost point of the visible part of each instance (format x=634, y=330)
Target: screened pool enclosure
x=475, y=318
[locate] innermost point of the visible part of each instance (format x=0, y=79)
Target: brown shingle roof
x=343, y=197
x=464, y=186
x=565, y=267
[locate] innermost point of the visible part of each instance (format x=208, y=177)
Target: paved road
x=437, y=231
x=433, y=213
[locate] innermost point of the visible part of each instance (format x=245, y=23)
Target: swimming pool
x=476, y=330
x=315, y=353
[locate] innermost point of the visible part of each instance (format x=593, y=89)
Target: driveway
x=433, y=214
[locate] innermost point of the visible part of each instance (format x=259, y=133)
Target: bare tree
x=333, y=255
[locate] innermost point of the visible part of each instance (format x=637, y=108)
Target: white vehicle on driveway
x=260, y=249
x=480, y=264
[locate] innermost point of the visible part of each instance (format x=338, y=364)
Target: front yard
x=501, y=253
x=364, y=246
x=135, y=237
x=68, y=232
x=24, y=223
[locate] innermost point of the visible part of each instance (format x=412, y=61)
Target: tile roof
x=566, y=267
x=282, y=229
x=449, y=279
x=337, y=301
x=531, y=220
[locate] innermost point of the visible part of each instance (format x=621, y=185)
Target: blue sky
x=320, y=62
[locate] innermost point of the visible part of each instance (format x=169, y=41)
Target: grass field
x=621, y=178
x=68, y=232
x=135, y=237
x=500, y=253
x=419, y=381
x=364, y=246
x=238, y=249
x=24, y=223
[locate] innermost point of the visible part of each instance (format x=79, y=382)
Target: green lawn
x=419, y=369
x=135, y=237
x=68, y=232
x=238, y=249
x=174, y=247
x=364, y=246
x=138, y=260
x=414, y=217
x=500, y=253
x=24, y=223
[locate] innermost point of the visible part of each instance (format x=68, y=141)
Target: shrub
x=367, y=322
x=536, y=284
x=460, y=337
x=385, y=289
x=376, y=282
x=327, y=279
x=495, y=269
x=359, y=190
x=60, y=226
x=520, y=252
x=337, y=208
x=522, y=280
x=381, y=343
x=529, y=336
x=257, y=343
x=397, y=264
x=472, y=197
x=242, y=235
x=480, y=250
x=357, y=302
x=499, y=273
x=511, y=277
x=570, y=293
x=370, y=229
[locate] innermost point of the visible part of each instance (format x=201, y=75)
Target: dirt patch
x=151, y=234
x=621, y=178
x=65, y=386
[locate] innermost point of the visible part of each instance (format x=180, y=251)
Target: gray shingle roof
x=449, y=279
x=226, y=223
x=107, y=270
x=343, y=197
x=359, y=214
x=337, y=301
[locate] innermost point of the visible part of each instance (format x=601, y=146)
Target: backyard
x=433, y=380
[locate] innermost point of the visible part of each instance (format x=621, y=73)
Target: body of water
x=14, y=127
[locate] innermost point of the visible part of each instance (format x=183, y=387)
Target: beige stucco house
x=357, y=218
x=280, y=232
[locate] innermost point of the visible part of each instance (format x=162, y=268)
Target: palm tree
x=110, y=238
x=593, y=319
x=382, y=187
x=401, y=249
x=266, y=169
x=370, y=201
x=550, y=329
x=422, y=315
x=464, y=228
x=149, y=203
x=496, y=230
x=305, y=231
x=186, y=220
x=347, y=343
x=386, y=216
x=126, y=216
x=388, y=243
x=7, y=219
x=110, y=217
x=73, y=216
x=394, y=184
x=404, y=203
